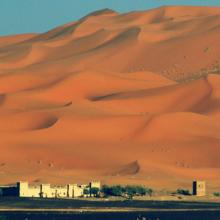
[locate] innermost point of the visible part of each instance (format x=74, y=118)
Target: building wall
x=22, y=189
x=34, y=191
x=60, y=192
x=46, y=191
x=95, y=184
x=70, y=192
x=199, y=188
x=26, y=191
x=78, y=191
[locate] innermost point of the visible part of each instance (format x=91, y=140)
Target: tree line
x=128, y=191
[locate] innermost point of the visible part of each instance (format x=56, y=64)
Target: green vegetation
x=217, y=194
x=128, y=191
x=184, y=192
x=113, y=190
x=86, y=192
x=94, y=191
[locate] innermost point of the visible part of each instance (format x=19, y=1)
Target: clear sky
x=28, y=16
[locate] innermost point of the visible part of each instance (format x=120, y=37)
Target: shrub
x=106, y=190
x=94, y=191
x=86, y=192
x=128, y=190
x=184, y=192
x=216, y=194
x=149, y=191
x=113, y=190
x=117, y=190
x=131, y=191
x=140, y=190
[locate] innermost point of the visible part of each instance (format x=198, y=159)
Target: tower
x=23, y=189
x=199, y=188
x=95, y=184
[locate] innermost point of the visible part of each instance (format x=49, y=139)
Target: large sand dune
x=124, y=98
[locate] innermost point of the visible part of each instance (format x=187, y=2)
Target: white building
x=23, y=189
x=199, y=188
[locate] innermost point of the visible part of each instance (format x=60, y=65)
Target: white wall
x=46, y=191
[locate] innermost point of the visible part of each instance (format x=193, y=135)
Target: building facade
x=199, y=188
x=95, y=184
x=23, y=189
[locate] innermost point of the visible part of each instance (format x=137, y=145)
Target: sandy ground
x=121, y=98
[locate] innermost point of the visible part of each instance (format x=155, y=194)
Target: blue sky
x=28, y=16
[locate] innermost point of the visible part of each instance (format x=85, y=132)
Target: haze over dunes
x=130, y=98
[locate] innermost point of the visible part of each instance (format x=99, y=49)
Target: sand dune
x=124, y=98
x=8, y=40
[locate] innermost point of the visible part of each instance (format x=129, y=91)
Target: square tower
x=23, y=189
x=95, y=184
x=199, y=188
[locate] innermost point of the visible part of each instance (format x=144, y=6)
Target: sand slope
x=129, y=98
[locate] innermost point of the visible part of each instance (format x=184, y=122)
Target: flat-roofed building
x=23, y=189
x=199, y=188
x=95, y=184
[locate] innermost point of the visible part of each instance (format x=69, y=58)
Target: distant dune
x=123, y=98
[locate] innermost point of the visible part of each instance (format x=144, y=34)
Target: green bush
x=149, y=191
x=105, y=190
x=141, y=190
x=216, y=194
x=117, y=190
x=129, y=190
x=94, y=191
x=86, y=191
x=184, y=192
x=113, y=190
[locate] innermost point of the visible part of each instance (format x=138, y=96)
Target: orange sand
x=123, y=98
